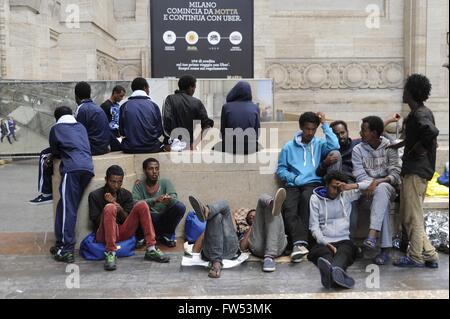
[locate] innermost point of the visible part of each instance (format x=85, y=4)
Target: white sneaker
x=298, y=253
x=188, y=249
x=278, y=201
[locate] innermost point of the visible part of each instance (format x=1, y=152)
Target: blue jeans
x=221, y=241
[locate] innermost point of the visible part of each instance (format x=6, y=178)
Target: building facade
x=347, y=58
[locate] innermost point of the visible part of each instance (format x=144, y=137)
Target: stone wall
x=321, y=54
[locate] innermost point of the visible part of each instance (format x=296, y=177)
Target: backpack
x=193, y=227
x=443, y=179
x=91, y=250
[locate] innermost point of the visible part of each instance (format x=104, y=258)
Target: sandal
x=215, y=269
x=370, y=243
x=382, y=259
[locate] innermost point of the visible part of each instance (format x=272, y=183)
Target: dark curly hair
x=419, y=87
x=375, y=124
x=309, y=117
x=336, y=175
x=114, y=170
x=336, y=123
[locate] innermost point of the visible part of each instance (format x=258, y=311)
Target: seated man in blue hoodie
x=329, y=223
x=297, y=165
x=240, y=122
x=69, y=141
x=377, y=167
x=140, y=121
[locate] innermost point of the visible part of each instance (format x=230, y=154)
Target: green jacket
x=141, y=192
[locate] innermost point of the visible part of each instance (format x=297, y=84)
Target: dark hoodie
x=181, y=110
x=240, y=112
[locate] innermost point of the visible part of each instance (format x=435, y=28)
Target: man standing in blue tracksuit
x=140, y=121
x=101, y=140
x=69, y=141
x=297, y=166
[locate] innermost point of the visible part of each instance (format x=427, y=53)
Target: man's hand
x=48, y=162
x=346, y=187
x=110, y=198
x=331, y=159
x=167, y=148
x=164, y=199
x=396, y=146
x=332, y=249
x=322, y=117
x=371, y=189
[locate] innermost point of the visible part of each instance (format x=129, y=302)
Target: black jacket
x=420, y=144
x=181, y=110
x=346, y=154
x=97, y=203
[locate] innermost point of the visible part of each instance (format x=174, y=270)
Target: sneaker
x=432, y=264
x=140, y=243
x=406, y=262
x=382, y=258
x=278, y=201
x=41, y=200
x=269, y=265
x=298, y=252
x=110, y=261
x=325, y=272
x=156, y=255
x=188, y=249
x=341, y=278
x=167, y=242
x=67, y=257
x=199, y=208
x=54, y=250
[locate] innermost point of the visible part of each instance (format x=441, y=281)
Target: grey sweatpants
x=221, y=241
x=380, y=208
x=267, y=237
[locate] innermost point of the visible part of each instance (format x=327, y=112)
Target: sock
x=47, y=195
x=151, y=248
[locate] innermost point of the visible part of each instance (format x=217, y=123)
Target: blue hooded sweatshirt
x=240, y=113
x=298, y=162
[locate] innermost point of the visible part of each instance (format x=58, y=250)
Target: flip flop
x=214, y=271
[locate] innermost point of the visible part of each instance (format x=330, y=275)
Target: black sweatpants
x=296, y=213
x=344, y=258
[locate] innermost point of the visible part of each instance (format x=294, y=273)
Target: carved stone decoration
x=107, y=68
x=129, y=72
x=54, y=8
x=325, y=74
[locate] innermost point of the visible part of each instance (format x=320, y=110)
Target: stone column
x=3, y=37
x=415, y=36
x=426, y=50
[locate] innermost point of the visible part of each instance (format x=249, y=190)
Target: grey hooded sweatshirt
x=370, y=164
x=329, y=220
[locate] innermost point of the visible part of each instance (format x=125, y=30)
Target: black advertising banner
x=207, y=39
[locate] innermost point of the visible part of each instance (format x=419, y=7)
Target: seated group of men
x=313, y=215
